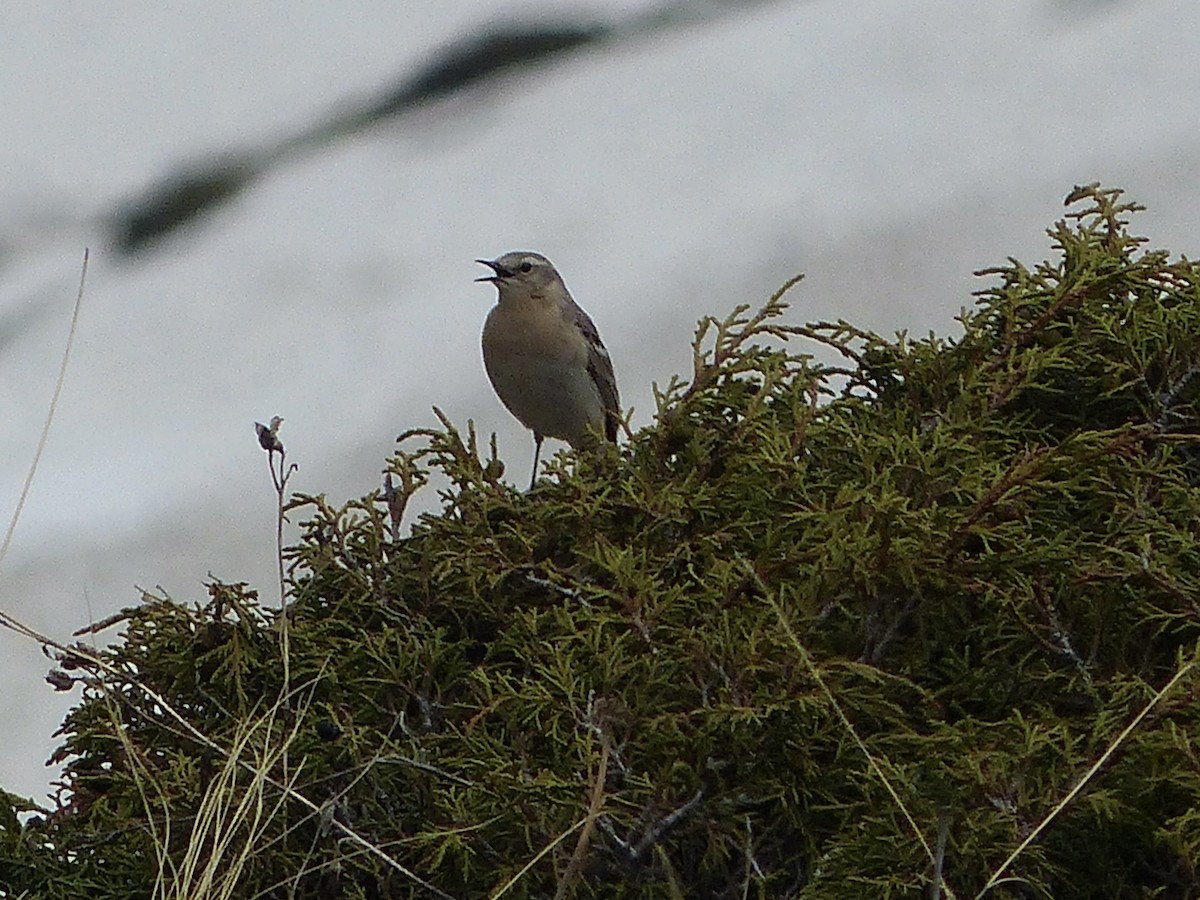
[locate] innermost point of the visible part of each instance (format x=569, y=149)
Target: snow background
x=887, y=149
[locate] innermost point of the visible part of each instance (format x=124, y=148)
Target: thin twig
x=507, y=886
x=58, y=386
x=845, y=720
x=1087, y=777
x=594, y=806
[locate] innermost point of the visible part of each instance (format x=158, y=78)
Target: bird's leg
x=537, y=452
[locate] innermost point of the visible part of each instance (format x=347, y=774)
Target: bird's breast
x=531, y=328
x=537, y=362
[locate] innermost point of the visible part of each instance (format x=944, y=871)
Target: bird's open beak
x=498, y=271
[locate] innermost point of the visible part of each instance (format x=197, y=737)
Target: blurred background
x=283, y=208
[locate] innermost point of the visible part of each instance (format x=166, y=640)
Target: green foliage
x=821, y=631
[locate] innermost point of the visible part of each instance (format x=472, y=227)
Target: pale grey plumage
x=544, y=355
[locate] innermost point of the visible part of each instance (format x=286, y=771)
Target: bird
x=544, y=356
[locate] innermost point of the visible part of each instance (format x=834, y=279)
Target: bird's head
x=521, y=271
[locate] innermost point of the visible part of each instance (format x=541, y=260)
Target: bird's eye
x=526, y=266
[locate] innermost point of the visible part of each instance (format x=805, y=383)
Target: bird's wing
x=600, y=368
